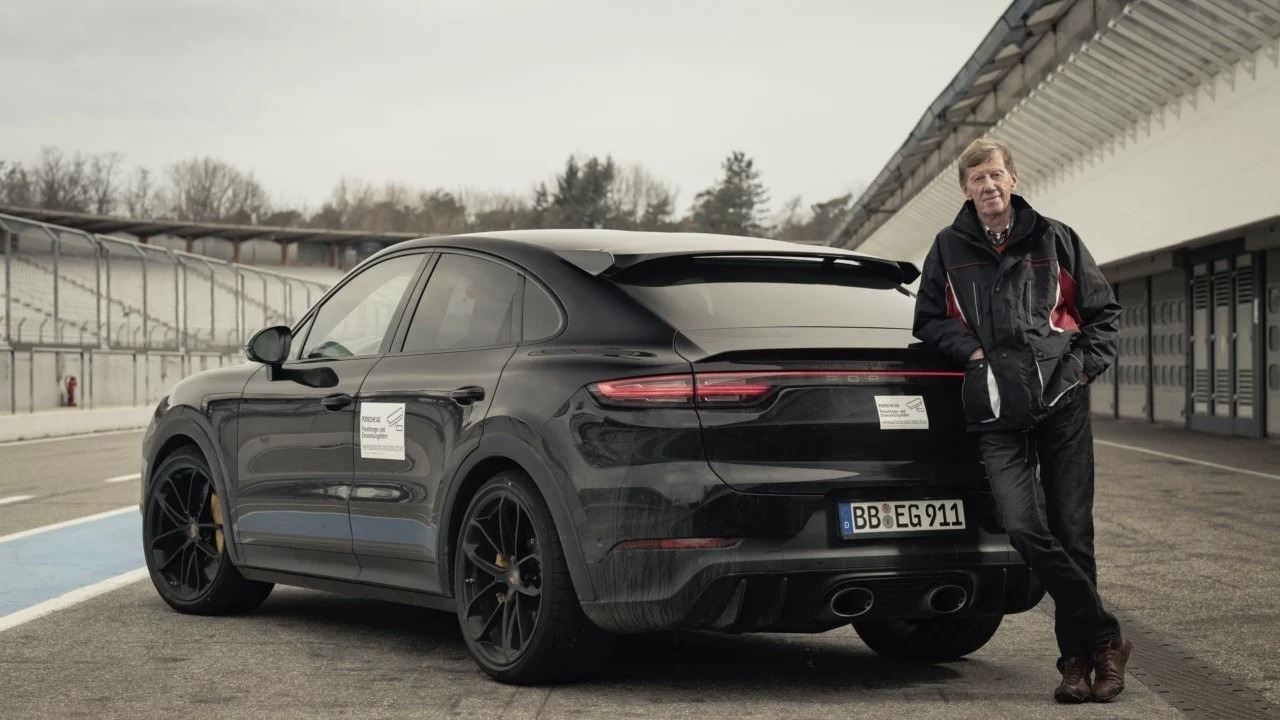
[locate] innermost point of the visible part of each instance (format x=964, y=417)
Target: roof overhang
x=1061, y=82
x=106, y=224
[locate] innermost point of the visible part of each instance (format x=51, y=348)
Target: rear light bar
x=738, y=389
x=678, y=544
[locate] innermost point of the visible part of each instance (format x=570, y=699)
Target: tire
x=937, y=639
x=537, y=632
x=184, y=541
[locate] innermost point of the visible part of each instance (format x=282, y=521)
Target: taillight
x=652, y=391
x=739, y=389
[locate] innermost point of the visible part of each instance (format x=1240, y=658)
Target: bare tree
x=247, y=200
x=349, y=205
x=496, y=210
x=16, y=185
x=790, y=222
x=103, y=190
x=61, y=181
x=209, y=190
x=641, y=200
x=141, y=195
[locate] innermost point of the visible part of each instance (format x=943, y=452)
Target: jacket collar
x=969, y=225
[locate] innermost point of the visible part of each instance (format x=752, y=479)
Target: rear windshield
x=706, y=293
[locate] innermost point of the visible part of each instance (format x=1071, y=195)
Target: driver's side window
x=354, y=320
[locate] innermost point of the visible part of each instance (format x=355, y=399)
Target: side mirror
x=270, y=346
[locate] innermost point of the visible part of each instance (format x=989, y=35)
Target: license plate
x=859, y=519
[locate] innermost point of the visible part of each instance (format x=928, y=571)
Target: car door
x=437, y=383
x=296, y=433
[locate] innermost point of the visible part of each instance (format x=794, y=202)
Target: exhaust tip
x=851, y=602
x=946, y=599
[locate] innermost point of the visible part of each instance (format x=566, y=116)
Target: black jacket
x=1043, y=314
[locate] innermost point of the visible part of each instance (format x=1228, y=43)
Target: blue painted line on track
x=41, y=567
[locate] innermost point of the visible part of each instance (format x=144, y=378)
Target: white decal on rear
x=902, y=412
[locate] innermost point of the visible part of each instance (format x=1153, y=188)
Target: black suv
x=562, y=435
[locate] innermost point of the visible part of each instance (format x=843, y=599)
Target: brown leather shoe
x=1074, y=687
x=1109, y=662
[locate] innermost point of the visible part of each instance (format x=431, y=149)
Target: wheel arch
x=180, y=431
x=495, y=454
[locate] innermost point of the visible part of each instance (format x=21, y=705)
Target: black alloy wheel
x=501, y=577
x=185, y=543
x=516, y=604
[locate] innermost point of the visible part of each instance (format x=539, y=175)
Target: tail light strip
x=733, y=388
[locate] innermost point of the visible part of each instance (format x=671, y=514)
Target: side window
x=304, y=331
x=354, y=320
x=541, y=319
x=468, y=303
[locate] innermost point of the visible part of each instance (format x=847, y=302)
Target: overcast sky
x=485, y=95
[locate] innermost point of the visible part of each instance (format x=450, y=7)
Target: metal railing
x=70, y=296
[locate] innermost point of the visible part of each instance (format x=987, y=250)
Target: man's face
x=989, y=186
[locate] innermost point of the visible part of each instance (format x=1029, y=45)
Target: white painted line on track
x=66, y=600
x=79, y=436
x=14, y=499
x=1181, y=458
x=67, y=523
x=123, y=478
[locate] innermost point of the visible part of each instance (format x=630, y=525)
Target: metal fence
x=125, y=318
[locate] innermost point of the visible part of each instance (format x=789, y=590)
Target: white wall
x=1213, y=167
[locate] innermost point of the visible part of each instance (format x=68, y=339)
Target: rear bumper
x=785, y=585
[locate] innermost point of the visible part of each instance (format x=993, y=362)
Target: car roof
x=626, y=242
x=598, y=250
x=633, y=242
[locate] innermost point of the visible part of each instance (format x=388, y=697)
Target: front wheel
x=930, y=640
x=518, y=611
x=184, y=540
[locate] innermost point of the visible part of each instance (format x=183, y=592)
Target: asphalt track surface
x=1188, y=535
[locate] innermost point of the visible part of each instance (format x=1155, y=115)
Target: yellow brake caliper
x=501, y=562
x=217, y=518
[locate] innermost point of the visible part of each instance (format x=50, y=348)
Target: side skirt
x=353, y=589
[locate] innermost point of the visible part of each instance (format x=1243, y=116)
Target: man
x=1017, y=299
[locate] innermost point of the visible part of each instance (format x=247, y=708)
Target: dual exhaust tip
x=855, y=601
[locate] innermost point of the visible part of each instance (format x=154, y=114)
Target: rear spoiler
x=603, y=262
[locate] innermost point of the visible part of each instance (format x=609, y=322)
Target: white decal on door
x=902, y=412
x=382, y=430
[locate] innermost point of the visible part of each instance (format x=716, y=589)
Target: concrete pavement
x=1190, y=550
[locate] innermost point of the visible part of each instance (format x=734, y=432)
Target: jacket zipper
x=976, y=313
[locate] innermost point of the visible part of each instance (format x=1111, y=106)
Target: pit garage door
x=1226, y=312
x=1132, y=372
x=1272, y=355
x=1168, y=347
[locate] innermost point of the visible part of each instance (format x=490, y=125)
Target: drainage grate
x=1187, y=682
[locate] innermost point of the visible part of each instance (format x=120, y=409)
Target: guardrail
x=75, y=303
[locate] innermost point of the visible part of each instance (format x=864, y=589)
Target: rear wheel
x=517, y=608
x=930, y=640
x=185, y=543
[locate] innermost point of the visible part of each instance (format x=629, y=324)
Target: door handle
x=467, y=395
x=336, y=402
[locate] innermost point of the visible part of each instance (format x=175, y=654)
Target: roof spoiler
x=603, y=262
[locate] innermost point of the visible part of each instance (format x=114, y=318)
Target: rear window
x=703, y=293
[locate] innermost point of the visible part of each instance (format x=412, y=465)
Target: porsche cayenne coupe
x=565, y=435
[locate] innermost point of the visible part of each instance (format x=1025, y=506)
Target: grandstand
x=128, y=313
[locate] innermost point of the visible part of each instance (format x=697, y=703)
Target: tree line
x=587, y=192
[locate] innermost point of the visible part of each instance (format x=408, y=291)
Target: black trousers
x=1049, y=515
